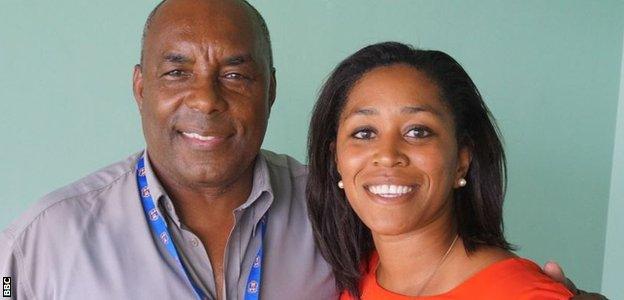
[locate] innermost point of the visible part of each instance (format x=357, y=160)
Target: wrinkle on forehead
x=178, y=46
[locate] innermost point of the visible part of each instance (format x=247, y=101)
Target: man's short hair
x=256, y=15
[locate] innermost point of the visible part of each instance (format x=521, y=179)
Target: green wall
x=614, y=244
x=550, y=71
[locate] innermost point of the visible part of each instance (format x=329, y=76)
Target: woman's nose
x=389, y=154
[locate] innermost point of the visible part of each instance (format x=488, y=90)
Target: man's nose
x=389, y=153
x=206, y=96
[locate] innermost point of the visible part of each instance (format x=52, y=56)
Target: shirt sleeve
x=11, y=268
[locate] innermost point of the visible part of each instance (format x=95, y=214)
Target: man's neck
x=198, y=205
x=205, y=200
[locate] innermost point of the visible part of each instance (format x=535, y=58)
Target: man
x=202, y=213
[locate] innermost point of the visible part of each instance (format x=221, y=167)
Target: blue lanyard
x=252, y=290
x=159, y=228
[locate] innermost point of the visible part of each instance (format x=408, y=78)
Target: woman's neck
x=408, y=262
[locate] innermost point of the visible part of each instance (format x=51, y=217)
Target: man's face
x=204, y=91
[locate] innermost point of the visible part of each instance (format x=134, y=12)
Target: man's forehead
x=211, y=23
x=202, y=12
x=208, y=17
x=187, y=40
x=186, y=31
x=184, y=24
x=185, y=52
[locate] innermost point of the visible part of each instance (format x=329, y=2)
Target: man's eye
x=418, y=132
x=175, y=73
x=236, y=76
x=364, y=134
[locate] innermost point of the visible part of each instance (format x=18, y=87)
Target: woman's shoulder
x=513, y=278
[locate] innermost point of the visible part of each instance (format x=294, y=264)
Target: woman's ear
x=464, y=157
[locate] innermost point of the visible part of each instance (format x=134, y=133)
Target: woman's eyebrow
x=412, y=109
x=420, y=108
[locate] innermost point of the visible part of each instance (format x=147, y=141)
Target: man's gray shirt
x=91, y=240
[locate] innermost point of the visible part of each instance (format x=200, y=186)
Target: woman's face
x=397, y=153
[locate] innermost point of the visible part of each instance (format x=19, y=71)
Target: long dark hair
x=345, y=242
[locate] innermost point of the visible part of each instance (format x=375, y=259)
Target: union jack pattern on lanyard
x=159, y=229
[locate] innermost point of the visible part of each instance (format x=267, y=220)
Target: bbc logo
x=6, y=287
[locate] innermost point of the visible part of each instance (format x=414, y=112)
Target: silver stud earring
x=340, y=184
x=462, y=182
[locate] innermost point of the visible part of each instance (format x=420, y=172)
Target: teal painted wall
x=549, y=70
x=614, y=244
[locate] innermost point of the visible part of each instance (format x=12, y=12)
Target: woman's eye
x=364, y=134
x=418, y=132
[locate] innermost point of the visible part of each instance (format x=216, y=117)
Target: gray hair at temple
x=256, y=14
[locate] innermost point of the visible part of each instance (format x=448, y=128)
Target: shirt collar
x=258, y=203
x=161, y=199
x=262, y=194
x=155, y=187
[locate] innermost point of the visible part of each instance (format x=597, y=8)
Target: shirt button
x=194, y=242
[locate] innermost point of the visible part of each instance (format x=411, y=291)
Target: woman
x=406, y=184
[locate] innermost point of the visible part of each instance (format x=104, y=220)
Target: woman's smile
x=390, y=190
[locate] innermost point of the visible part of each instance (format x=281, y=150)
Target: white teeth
x=393, y=189
x=198, y=136
x=389, y=190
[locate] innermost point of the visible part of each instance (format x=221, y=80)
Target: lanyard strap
x=252, y=290
x=159, y=229
x=158, y=225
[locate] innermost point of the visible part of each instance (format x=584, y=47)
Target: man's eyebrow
x=176, y=58
x=236, y=60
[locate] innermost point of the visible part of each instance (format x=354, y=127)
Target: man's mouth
x=204, y=141
x=198, y=136
x=389, y=190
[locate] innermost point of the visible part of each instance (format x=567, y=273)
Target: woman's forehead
x=400, y=88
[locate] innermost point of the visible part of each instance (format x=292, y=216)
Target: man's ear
x=137, y=85
x=464, y=157
x=272, y=88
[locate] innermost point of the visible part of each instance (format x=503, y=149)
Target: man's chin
x=205, y=175
x=214, y=169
